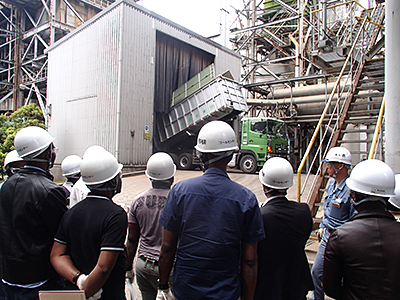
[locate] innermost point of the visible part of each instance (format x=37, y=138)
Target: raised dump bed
x=217, y=99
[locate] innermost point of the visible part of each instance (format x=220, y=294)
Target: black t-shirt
x=93, y=225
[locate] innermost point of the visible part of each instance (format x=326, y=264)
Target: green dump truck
x=218, y=98
x=260, y=139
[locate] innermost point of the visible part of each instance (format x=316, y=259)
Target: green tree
x=29, y=115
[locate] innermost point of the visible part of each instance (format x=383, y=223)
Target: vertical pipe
x=392, y=84
x=51, y=28
x=300, y=49
x=17, y=59
x=253, y=41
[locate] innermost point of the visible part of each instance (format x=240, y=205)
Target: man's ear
x=47, y=153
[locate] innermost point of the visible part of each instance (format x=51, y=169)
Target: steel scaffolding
x=27, y=29
x=286, y=39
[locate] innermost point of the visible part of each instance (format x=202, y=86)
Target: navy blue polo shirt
x=212, y=216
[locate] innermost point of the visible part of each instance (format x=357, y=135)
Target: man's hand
x=165, y=295
x=320, y=233
x=130, y=275
x=96, y=295
x=81, y=281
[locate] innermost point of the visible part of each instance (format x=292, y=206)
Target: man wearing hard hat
x=362, y=257
x=143, y=225
x=218, y=224
x=88, y=247
x=337, y=209
x=12, y=164
x=283, y=270
x=31, y=207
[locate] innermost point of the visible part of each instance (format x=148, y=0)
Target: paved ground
x=133, y=185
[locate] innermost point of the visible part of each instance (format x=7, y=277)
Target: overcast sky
x=203, y=17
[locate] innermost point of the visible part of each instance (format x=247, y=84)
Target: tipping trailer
x=219, y=99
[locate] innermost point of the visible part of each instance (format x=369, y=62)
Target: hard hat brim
x=120, y=166
x=360, y=188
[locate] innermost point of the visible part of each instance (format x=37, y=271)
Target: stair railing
x=347, y=27
x=354, y=69
x=378, y=130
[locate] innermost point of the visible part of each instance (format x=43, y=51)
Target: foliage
x=29, y=115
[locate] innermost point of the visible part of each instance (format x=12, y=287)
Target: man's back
x=365, y=251
x=283, y=271
x=31, y=207
x=145, y=211
x=212, y=216
x=93, y=225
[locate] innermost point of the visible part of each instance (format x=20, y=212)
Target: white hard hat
x=160, y=166
x=372, y=177
x=216, y=136
x=395, y=200
x=11, y=156
x=277, y=173
x=31, y=141
x=339, y=155
x=98, y=166
x=71, y=165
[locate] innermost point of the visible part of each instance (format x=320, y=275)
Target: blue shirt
x=212, y=216
x=337, y=205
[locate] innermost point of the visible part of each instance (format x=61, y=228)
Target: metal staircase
x=350, y=121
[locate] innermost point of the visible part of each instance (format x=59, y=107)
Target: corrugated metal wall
x=102, y=93
x=137, y=88
x=82, y=87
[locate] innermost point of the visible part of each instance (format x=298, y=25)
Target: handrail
x=313, y=13
x=377, y=128
x=328, y=103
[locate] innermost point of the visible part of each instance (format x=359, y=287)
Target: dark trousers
x=3, y=294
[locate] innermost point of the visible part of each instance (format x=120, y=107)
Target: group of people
x=202, y=238
x=50, y=243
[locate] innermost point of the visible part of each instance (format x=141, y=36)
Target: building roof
x=148, y=12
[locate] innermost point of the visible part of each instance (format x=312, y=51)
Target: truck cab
x=261, y=139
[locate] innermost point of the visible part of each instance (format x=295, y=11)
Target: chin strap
x=204, y=164
x=99, y=187
x=368, y=199
x=336, y=170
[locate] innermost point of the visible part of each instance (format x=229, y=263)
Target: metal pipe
x=392, y=84
x=296, y=100
x=317, y=89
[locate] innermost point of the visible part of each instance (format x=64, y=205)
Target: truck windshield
x=259, y=126
x=277, y=128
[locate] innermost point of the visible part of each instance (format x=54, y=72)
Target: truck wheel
x=248, y=164
x=174, y=158
x=185, y=161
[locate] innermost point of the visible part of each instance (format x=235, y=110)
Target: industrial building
x=114, y=74
x=320, y=65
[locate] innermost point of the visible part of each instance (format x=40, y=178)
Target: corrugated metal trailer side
x=102, y=78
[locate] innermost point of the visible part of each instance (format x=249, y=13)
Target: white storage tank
x=112, y=77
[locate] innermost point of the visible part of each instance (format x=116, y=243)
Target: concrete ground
x=133, y=185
